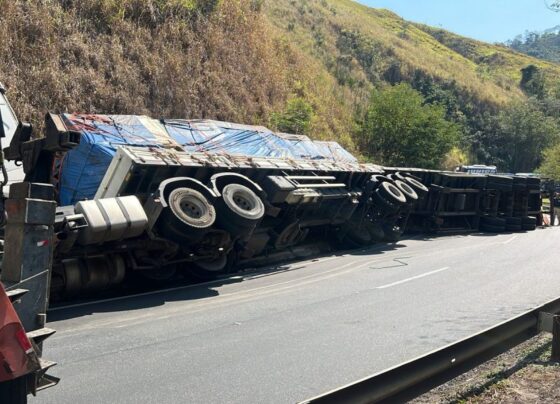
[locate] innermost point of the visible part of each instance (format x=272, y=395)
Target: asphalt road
x=298, y=330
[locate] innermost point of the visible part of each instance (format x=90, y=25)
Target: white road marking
x=510, y=240
x=390, y=285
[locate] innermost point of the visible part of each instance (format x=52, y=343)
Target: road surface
x=295, y=331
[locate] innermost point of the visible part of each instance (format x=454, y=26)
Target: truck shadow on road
x=151, y=296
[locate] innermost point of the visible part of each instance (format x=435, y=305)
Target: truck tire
x=491, y=229
x=420, y=188
x=14, y=391
x=239, y=209
x=529, y=223
x=407, y=190
x=376, y=231
x=188, y=217
x=384, y=206
x=514, y=227
x=393, y=234
x=358, y=236
x=391, y=193
x=514, y=221
x=378, y=178
x=210, y=269
x=493, y=221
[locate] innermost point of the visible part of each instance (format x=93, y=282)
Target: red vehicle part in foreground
x=17, y=355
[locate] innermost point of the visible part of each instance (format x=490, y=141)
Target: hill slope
x=374, y=45
x=306, y=65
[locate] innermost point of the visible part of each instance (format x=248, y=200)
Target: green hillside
x=306, y=66
x=372, y=45
x=544, y=46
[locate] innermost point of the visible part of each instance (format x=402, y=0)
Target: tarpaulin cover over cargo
x=84, y=167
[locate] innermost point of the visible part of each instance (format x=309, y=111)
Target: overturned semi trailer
x=460, y=202
x=155, y=197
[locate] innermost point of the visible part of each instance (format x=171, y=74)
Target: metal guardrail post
x=555, y=339
x=551, y=323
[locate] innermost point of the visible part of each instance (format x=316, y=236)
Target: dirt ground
x=523, y=375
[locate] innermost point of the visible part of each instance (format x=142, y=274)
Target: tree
x=554, y=5
x=399, y=129
x=533, y=81
x=523, y=132
x=551, y=163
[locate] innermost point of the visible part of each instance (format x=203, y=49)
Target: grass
x=486, y=73
x=239, y=63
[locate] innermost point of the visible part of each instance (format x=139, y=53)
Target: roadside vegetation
x=524, y=374
x=391, y=91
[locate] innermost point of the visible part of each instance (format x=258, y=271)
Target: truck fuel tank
x=111, y=219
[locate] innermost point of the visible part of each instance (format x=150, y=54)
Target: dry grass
x=89, y=56
x=166, y=58
x=487, y=74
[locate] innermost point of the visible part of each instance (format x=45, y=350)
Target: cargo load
x=82, y=169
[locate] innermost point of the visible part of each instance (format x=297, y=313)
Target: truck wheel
x=391, y=193
x=393, y=234
x=514, y=227
x=491, y=229
x=209, y=269
x=188, y=217
x=376, y=231
x=239, y=209
x=420, y=188
x=514, y=221
x=493, y=221
x=529, y=223
x=14, y=391
x=409, y=193
x=358, y=236
x=384, y=206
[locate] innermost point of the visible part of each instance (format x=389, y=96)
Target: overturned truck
x=154, y=197
x=157, y=198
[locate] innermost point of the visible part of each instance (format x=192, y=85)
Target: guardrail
x=413, y=378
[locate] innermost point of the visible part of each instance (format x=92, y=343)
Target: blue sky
x=487, y=20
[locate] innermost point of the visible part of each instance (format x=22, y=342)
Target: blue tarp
x=335, y=152
x=227, y=138
x=84, y=167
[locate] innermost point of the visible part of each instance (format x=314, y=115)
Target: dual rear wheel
x=190, y=216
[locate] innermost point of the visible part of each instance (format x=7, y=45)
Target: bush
x=296, y=118
x=551, y=163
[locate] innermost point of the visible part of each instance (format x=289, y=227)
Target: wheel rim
x=243, y=202
x=192, y=208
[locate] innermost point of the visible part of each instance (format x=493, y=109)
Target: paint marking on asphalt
x=510, y=240
x=390, y=285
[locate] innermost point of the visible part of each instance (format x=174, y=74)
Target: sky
x=486, y=20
